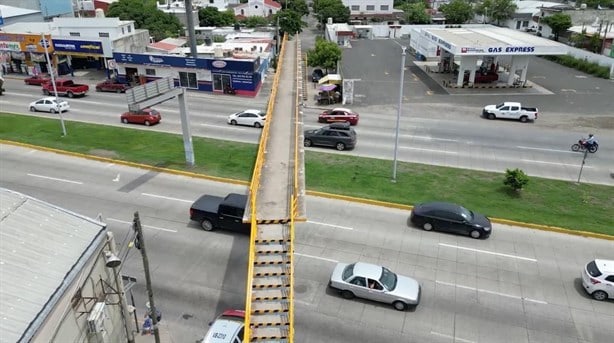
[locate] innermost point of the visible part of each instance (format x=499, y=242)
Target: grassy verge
x=580, y=207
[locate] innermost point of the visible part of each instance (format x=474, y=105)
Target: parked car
x=226, y=328
x=65, y=87
x=112, y=85
x=338, y=115
x=338, y=135
x=510, y=110
x=316, y=75
x=146, y=116
x=255, y=118
x=377, y=283
x=598, y=279
x=37, y=80
x=448, y=217
x=49, y=104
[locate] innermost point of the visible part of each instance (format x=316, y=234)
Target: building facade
x=257, y=8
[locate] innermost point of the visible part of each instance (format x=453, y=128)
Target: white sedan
x=253, y=118
x=49, y=104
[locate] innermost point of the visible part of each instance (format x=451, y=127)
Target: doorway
x=131, y=75
x=221, y=82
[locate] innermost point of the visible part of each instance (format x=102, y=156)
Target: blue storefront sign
x=160, y=60
x=65, y=46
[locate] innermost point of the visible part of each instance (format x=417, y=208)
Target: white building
x=369, y=7
x=257, y=8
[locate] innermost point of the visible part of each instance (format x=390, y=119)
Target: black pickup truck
x=213, y=212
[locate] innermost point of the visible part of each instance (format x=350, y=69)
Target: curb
x=312, y=193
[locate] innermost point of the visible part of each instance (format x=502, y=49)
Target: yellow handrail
x=253, y=189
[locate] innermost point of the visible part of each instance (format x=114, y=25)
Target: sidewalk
x=165, y=336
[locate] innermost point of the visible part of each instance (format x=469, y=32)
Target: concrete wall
x=592, y=57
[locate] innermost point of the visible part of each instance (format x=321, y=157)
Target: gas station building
x=471, y=49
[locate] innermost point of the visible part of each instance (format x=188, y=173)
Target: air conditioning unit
x=98, y=324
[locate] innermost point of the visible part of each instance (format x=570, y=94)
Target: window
x=103, y=34
x=359, y=281
x=151, y=72
x=355, y=8
x=188, y=80
x=370, y=7
x=525, y=23
x=129, y=29
x=384, y=7
x=610, y=278
x=75, y=34
x=123, y=31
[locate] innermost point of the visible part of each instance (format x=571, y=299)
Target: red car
x=146, y=116
x=112, y=85
x=37, y=80
x=339, y=115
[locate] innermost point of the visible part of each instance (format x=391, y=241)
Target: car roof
x=605, y=266
x=368, y=270
x=229, y=323
x=253, y=111
x=339, y=126
x=342, y=109
x=52, y=98
x=440, y=205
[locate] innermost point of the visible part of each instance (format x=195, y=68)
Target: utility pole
x=45, y=44
x=136, y=223
x=396, y=136
x=191, y=34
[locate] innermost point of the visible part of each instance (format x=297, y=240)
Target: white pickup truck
x=510, y=110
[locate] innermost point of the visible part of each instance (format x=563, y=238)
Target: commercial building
x=60, y=279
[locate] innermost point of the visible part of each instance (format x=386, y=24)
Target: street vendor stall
x=329, y=94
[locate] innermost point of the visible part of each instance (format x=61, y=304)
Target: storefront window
x=188, y=80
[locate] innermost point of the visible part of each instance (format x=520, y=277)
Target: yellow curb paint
x=312, y=193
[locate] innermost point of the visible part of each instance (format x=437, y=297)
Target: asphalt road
x=519, y=285
x=432, y=133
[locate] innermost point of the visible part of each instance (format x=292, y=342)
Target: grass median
x=584, y=207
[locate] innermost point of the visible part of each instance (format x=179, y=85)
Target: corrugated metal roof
x=42, y=247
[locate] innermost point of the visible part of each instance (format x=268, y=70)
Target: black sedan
x=453, y=218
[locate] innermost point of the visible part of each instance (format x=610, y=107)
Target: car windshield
x=466, y=214
x=500, y=105
x=348, y=272
x=388, y=279
x=592, y=269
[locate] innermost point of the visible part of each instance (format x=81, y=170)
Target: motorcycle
x=581, y=146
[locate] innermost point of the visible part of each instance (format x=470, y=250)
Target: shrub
x=582, y=65
x=516, y=179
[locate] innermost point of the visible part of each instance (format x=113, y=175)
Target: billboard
x=25, y=42
x=54, y=8
x=77, y=47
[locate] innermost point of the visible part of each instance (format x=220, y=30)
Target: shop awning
x=328, y=87
x=330, y=78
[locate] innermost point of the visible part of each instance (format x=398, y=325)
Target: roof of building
x=42, y=249
x=30, y=27
x=269, y=3
x=12, y=11
x=534, y=7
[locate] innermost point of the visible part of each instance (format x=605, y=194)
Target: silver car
x=369, y=281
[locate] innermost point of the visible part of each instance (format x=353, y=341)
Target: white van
x=598, y=279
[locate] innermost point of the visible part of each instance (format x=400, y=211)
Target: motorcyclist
x=590, y=141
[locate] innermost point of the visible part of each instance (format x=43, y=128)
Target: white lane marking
x=543, y=149
x=488, y=252
x=165, y=197
x=491, y=292
x=430, y=150
x=109, y=165
x=55, y=179
x=557, y=163
x=429, y=138
x=145, y=226
x=317, y=257
x=453, y=338
x=331, y=225
x=116, y=179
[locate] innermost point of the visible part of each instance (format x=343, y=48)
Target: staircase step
x=271, y=270
x=271, y=259
x=271, y=282
x=270, y=334
x=270, y=306
x=262, y=248
x=261, y=294
x=269, y=319
x=273, y=233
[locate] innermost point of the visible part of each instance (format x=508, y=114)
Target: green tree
x=255, y=21
x=457, y=11
x=415, y=13
x=298, y=6
x=594, y=3
x=558, y=23
x=211, y=16
x=331, y=9
x=146, y=15
x=515, y=179
x=498, y=10
x=289, y=22
x=325, y=54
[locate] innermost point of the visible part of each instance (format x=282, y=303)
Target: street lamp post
x=396, y=138
x=45, y=44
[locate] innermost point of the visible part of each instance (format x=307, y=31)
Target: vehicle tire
x=427, y=226
x=600, y=295
x=70, y=94
x=125, y=121
x=46, y=92
x=321, y=120
x=491, y=116
x=593, y=149
x=575, y=147
x=257, y=125
x=307, y=142
x=233, y=122
x=32, y=109
x=347, y=294
x=524, y=119
x=399, y=305
x=207, y=225
x=147, y=123
x=340, y=146
x=475, y=234
x=98, y=89
x=52, y=111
